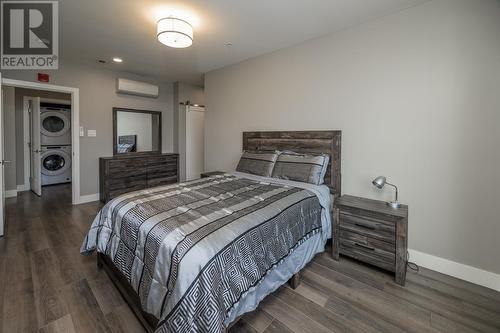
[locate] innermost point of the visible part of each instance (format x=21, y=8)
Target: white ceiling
x=92, y=29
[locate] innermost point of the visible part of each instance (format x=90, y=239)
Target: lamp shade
x=175, y=32
x=379, y=182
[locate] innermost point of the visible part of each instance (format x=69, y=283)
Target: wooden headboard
x=318, y=142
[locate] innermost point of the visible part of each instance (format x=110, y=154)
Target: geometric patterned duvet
x=192, y=250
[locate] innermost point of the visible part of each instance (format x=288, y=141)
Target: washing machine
x=55, y=124
x=56, y=165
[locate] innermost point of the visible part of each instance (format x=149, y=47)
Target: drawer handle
x=364, y=226
x=365, y=246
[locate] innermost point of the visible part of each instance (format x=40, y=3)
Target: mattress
x=201, y=253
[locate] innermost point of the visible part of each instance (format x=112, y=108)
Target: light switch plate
x=82, y=131
x=91, y=133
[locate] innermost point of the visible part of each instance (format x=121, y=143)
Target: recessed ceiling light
x=118, y=60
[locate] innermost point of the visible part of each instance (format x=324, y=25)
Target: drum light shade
x=175, y=32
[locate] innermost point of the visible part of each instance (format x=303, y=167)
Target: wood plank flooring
x=47, y=286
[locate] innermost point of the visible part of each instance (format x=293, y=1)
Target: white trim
x=56, y=101
x=22, y=188
x=26, y=140
x=455, y=269
x=10, y=193
x=2, y=167
x=89, y=198
x=37, y=86
x=75, y=145
x=75, y=124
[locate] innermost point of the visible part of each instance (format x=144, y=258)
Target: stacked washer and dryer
x=55, y=139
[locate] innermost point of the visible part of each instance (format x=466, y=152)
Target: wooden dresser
x=122, y=174
x=372, y=232
x=211, y=173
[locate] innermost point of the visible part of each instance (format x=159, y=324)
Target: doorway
x=59, y=157
x=46, y=139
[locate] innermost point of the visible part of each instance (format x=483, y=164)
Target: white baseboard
x=11, y=193
x=455, y=269
x=22, y=188
x=88, y=198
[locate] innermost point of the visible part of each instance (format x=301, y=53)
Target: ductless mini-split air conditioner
x=131, y=87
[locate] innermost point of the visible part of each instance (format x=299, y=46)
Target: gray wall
x=19, y=128
x=9, y=137
x=97, y=98
x=416, y=96
x=182, y=93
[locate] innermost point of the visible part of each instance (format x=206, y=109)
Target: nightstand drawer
x=367, y=241
x=368, y=226
x=368, y=254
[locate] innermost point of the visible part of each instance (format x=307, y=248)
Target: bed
x=195, y=256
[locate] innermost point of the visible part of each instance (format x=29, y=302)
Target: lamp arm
x=395, y=188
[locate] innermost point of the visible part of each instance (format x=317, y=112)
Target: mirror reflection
x=137, y=131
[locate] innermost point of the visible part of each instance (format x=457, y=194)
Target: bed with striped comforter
x=193, y=251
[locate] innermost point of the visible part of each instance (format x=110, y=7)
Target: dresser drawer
x=160, y=181
x=368, y=253
x=123, y=168
x=119, y=191
x=117, y=183
x=158, y=161
x=162, y=170
x=368, y=226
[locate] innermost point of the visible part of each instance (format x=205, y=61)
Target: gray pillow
x=257, y=163
x=301, y=167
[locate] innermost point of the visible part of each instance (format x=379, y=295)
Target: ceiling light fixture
x=117, y=59
x=175, y=32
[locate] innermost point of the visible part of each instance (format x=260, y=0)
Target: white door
x=36, y=162
x=2, y=164
x=195, y=142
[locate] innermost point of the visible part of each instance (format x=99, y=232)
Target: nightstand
x=211, y=173
x=371, y=231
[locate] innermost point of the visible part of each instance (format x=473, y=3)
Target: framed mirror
x=136, y=131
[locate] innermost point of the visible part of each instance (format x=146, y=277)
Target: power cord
x=411, y=265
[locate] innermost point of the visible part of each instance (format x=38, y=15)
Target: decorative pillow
x=301, y=167
x=257, y=163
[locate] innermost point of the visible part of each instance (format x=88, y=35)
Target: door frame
x=2, y=169
x=75, y=126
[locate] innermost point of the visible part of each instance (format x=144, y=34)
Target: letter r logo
x=27, y=27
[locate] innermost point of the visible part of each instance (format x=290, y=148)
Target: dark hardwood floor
x=47, y=286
